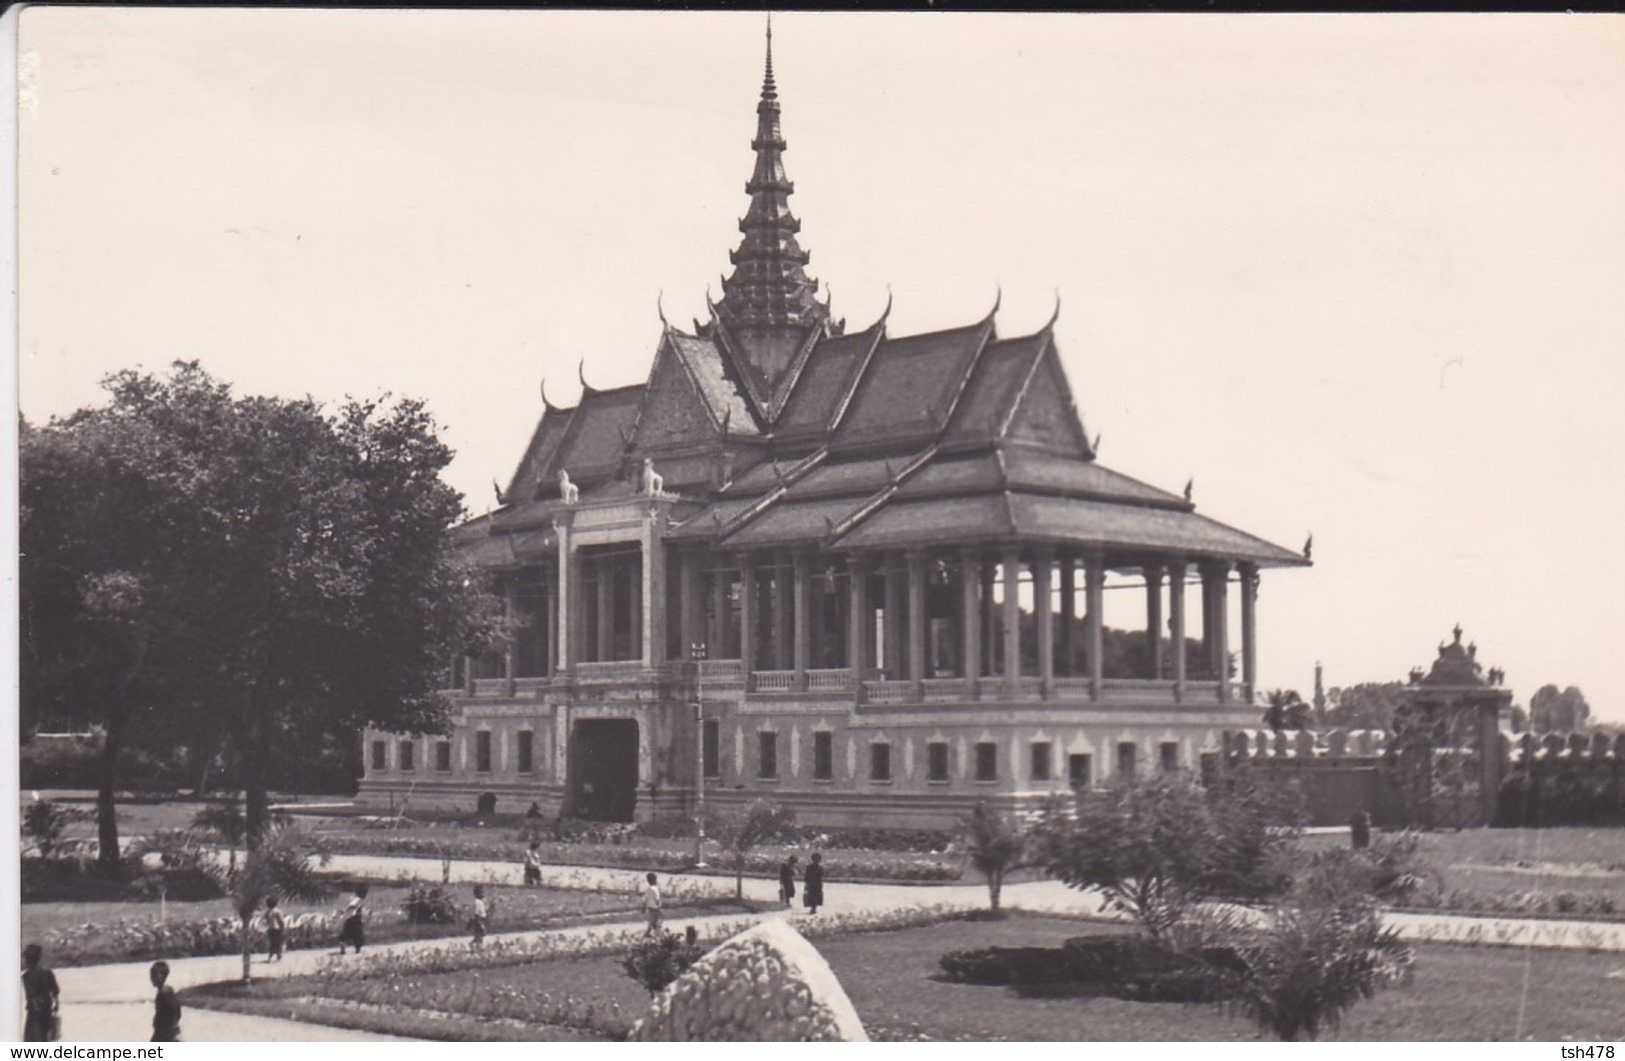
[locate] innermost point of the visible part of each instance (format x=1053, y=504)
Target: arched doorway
x=604, y=769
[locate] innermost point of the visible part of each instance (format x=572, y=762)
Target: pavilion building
x=858, y=573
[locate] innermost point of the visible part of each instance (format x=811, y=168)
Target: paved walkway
x=112, y=1003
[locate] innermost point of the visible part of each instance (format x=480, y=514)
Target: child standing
x=276, y=928
x=651, y=906
x=41, y=998
x=476, y=924
x=166, y=1008
x=787, y=882
x=533, y=864
x=352, y=932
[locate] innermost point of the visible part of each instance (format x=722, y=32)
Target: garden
x=1230, y=924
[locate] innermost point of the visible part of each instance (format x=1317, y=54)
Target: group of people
x=42, y=1001
x=812, y=883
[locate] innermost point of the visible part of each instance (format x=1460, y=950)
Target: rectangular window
x=442, y=756
x=987, y=761
x=1079, y=770
x=880, y=761
x=936, y=762
x=405, y=756
x=1043, y=766
x=1170, y=756
x=527, y=752
x=380, y=755
x=711, y=747
x=823, y=756
x=1126, y=753
x=482, y=751
x=767, y=761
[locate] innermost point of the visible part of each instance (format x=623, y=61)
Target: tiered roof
x=775, y=429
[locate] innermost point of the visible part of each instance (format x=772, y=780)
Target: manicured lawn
x=1536, y=871
x=1458, y=993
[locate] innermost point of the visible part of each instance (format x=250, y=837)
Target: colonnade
x=901, y=616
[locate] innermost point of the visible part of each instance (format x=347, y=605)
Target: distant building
x=893, y=550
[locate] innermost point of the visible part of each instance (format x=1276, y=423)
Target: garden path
x=111, y=1003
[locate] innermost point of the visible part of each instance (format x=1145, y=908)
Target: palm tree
x=280, y=866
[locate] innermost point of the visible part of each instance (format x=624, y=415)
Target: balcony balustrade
x=873, y=687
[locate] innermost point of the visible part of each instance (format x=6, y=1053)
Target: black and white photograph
x=738, y=526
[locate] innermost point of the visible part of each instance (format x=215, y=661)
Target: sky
x=1355, y=275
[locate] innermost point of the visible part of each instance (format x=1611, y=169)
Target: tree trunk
x=251, y=753
x=248, y=952
x=107, y=842
x=995, y=885
x=739, y=876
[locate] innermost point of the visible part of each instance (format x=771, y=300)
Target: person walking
x=352, y=933
x=812, y=884
x=276, y=931
x=476, y=924
x=533, y=865
x=166, y=1008
x=787, y=882
x=42, y=999
x=651, y=905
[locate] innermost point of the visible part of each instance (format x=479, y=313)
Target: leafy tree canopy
x=1558, y=711
x=259, y=564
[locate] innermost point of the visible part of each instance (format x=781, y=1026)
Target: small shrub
x=429, y=906
x=655, y=962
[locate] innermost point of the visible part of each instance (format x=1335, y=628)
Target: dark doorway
x=604, y=769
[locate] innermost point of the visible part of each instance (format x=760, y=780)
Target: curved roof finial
x=546, y=405
x=660, y=308
x=998, y=300
x=581, y=374
x=1053, y=317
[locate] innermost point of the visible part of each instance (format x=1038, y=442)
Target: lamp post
x=696, y=652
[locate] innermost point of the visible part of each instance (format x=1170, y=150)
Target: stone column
x=510, y=608
x=1153, y=617
x=892, y=637
x=917, y=622
x=970, y=579
x=1094, y=589
x=569, y=593
x=653, y=628
x=782, y=653
x=987, y=575
x=1043, y=619
x=690, y=623
x=604, y=565
x=550, y=612
x=1012, y=621
x=1249, y=631
x=1176, y=623
x=801, y=582
x=857, y=625
x=748, y=604
x=716, y=637
x=1069, y=611
x=1220, y=639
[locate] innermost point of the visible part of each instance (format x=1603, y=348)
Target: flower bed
x=839, y=866
x=133, y=940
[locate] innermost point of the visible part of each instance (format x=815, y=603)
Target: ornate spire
x=769, y=302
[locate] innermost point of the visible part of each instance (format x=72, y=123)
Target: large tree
x=1368, y=705
x=287, y=573
x=1558, y=711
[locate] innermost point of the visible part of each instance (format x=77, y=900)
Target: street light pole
x=697, y=653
